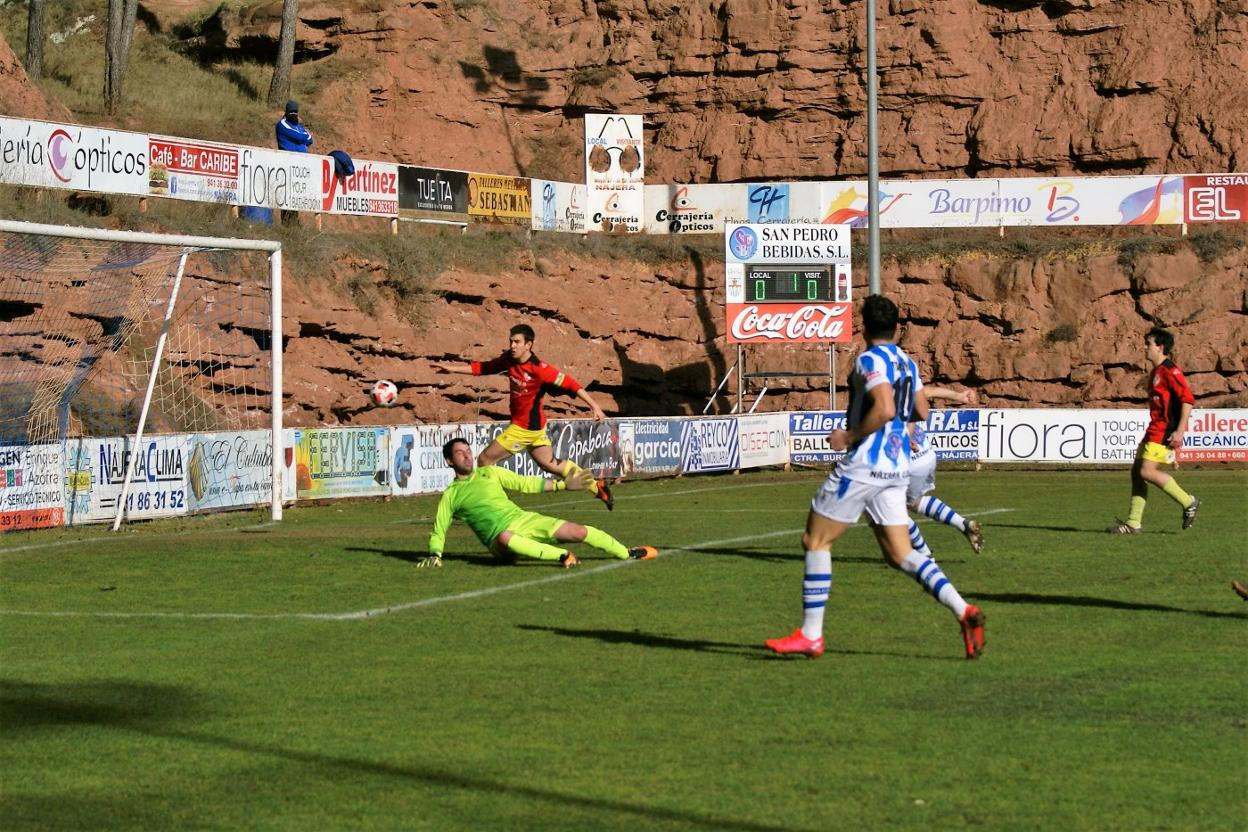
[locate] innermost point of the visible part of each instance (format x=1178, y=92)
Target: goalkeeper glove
x=431, y=560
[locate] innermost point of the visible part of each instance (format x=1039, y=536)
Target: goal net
x=140, y=375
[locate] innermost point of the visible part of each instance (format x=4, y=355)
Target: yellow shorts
x=536, y=526
x=1155, y=452
x=515, y=438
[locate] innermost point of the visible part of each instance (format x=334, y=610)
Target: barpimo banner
x=649, y=447
x=32, y=487
x=95, y=470
x=230, y=469
x=341, y=462
x=763, y=439
x=709, y=445
x=1111, y=200
x=615, y=173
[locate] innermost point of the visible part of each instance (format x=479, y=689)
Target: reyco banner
x=649, y=447
x=32, y=487
x=709, y=445
x=615, y=173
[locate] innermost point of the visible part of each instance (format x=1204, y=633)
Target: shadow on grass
x=413, y=556
x=770, y=555
x=1098, y=530
x=643, y=639
x=1089, y=601
x=758, y=651
x=147, y=709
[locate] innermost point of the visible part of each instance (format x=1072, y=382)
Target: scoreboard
x=787, y=283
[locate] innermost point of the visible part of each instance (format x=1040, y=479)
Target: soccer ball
x=384, y=393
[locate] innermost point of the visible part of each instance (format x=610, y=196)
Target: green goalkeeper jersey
x=480, y=501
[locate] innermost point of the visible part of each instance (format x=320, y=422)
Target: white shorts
x=844, y=500
x=922, y=476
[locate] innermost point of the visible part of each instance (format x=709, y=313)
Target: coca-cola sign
x=789, y=322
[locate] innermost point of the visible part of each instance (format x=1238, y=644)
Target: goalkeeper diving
x=478, y=497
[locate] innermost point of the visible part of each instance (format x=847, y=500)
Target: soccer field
x=224, y=673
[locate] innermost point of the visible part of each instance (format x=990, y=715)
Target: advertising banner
x=230, y=469
x=72, y=156
x=953, y=434
x=592, y=445
x=787, y=283
x=279, y=179
x=373, y=190
x=1222, y=198
x=1082, y=436
x=615, y=173
x=938, y=203
x=558, y=206
x=763, y=439
x=95, y=470
x=693, y=209
x=195, y=171
x=1109, y=200
x=341, y=462
x=32, y=487
x=416, y=462
x=430, y=193
x=709, y=445
x=649, y=447
x=499, y=199
x=808, y=436
x=1215, y=436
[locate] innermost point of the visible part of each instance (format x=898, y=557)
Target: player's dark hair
x=524, y=330
x=1163, y=338
x=879, y=318
x=450, y=446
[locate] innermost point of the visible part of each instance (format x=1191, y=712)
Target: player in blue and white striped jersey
x=923, y=479
x=885, y=392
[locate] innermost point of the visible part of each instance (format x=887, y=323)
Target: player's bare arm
x=584, y=396
x=453, y=367
x=948, y=394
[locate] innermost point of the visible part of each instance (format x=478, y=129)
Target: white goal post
x=128, y=338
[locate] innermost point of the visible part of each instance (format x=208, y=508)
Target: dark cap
x=292, y=106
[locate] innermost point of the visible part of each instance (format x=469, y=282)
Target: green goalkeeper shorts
x=535, y=526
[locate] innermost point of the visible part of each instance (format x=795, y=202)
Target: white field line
x=82, y=541
x=424, y=602
x=562, y=575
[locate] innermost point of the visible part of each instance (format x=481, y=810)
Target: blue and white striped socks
x=927, y=572
x=934, y=508
x=816, y=584
x=916, y=540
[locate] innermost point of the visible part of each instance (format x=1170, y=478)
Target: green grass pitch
x=222, y=673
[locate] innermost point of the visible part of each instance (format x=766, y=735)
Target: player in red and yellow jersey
x=1170, y=402
x=531, y=379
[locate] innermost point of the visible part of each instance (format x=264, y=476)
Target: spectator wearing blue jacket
x=291, y=135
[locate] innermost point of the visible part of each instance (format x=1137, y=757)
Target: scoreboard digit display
x=793, y=284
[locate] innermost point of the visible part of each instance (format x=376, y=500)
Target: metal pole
x=873, y=163
x=740, y=377
x=275, y=298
